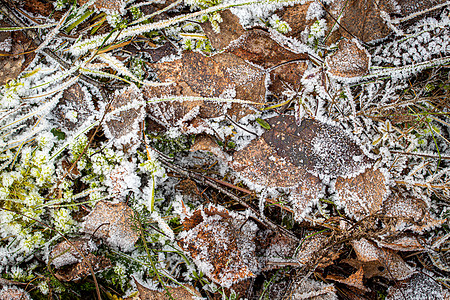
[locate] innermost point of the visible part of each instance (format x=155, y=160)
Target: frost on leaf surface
x=222, y=244
x=309, y=289
x=377, y=261
x=259, y=48
x=363, y=194
x=258, y=163
x=185, y=292
x=108, y=6
x=420, y=286
x=66, y=253
x=122, y=122
x=354, y=280
x=13, y=293
x=113, y=223
x=322, y=149
x=74, y=109
x=81, y=269
x=314, y=251
x=410, y=213
x=350, y=60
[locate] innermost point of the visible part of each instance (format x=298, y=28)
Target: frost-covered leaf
x=74, y=109
x=13, y=42
x=108, y=6
x=350, y=60
x=259, y=48
x=66, y=253
x=410, y=213
x=223, y=75
x=420, y=286
x=122, y=124
x=363, y=194
x=81, y=269
x=378, y=261
x=355, y=280
x=404, y=242
x=258, y=163
x=322, y=149
x=113, y=223
x=298, y=17
x=13, y=293
x=359, y=18
x=221, y=243
x=230, y=30
x=309, y=289
x=314, y=251
x=185, y=292
x=285, y=81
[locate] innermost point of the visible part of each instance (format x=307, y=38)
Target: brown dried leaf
x=309, y=289
x=223, y=75
x=258, y=163
x=410, y=213
x=314, y=251
x=286, y=80
x=359, y=18
x=113, y=223
x=403, y=243
x=73, y=109
x=322, y=149
x=66, y=253
x=13, y=293
x=355, y=280
x=13, y=42
x=350, y=60
x=108, y=6
x=258, y=47
x=419, y=287
x=122, y=126
x=295, y=16
x=230, y=30
x=79, y=270
x=185, y=292
x=362, y=195
x=222, y=244
x=378, y=261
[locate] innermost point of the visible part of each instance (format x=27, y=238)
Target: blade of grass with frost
x=122, y=70
x=54, y=31
x=43, y=110
x=55, y=90
x=84, y=46
x=144, y=18
x=56, y=77
x=56, y=202
x=72, y=139
x=78, y=12
x=43, y=26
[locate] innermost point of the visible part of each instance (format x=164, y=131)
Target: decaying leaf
x=309, y=289
x=259, y=163
x=363, y=194
x=66, y=253
x=350, y=60
x=126, y=112
x=81, y=269
x=220, y=76
x=419, y=287
x=113, y=223
x=296, y=17
x=185, y=292
x=108, y=6
x=13, y=293
x=221, y=243
x=73, y=109
x=285, y=81
x=410, y=213
x=355, y=280
x=259, y=48
x=378, y=261
x=230, y=30
x=276, y=250
x=405, y=242
x=322, y=149
x=314, y=251
x=359, y=18
x=12, y=43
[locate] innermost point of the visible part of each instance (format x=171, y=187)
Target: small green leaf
x=263, y=123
